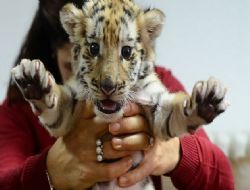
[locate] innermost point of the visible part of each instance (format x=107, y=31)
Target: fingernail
x=123, y=180
x=114, y=127
x=117, y=143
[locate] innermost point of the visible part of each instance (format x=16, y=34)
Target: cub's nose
x=107, y=86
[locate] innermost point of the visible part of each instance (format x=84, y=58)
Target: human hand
x=71, y=161
x=131, y=133
x=159, y=159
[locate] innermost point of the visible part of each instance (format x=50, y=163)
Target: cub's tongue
x=108, y=105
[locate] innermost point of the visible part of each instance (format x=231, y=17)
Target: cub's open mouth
x=108, y=106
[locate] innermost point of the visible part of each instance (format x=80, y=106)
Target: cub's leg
x=173, y=114
x=47, y=99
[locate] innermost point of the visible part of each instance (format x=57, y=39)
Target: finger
x=128, y=125
x=132, y=109
x=92, y=128
x=99, y=126
x=110, y=153
x=88, y=110
x=110, y=171
x=136, y=175
x=139, y=141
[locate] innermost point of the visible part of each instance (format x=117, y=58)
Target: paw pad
x=32, y=79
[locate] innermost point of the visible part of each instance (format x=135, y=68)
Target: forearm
x=202, y=166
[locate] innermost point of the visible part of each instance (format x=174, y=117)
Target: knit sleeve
x=203, y=165
x=34, y=172
x=22, y=165
x=169, y=80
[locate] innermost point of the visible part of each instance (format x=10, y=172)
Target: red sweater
x=24, y=144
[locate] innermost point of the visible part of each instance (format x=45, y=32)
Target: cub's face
x=113, y=49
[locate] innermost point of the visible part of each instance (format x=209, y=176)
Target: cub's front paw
x=207, y=100
x=34, y=81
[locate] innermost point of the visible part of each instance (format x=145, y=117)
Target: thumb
x=88, y=110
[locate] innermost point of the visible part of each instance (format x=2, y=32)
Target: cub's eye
x=94, y=49
x=126, y=52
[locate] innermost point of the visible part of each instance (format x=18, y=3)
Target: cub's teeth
x=110, y=108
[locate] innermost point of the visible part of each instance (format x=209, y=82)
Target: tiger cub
x=113, y=60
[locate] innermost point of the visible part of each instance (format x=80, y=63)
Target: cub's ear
x=72, y=20
x=153, y=21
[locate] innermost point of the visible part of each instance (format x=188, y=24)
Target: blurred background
x=201, y=38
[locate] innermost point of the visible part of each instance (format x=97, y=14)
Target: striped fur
x=108, y=26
